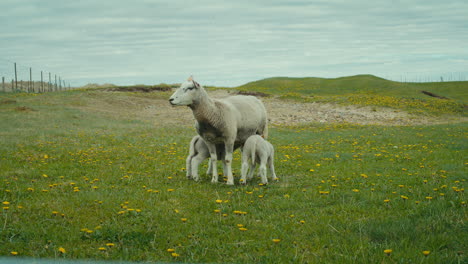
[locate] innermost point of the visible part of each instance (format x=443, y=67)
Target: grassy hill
x=368, y=90
x=360, y=84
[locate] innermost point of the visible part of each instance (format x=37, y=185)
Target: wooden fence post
x=3, y=84
x=42, y=83
x=16, y=79
x=31, y=86
x=50, y=82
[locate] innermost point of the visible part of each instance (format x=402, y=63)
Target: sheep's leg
x=213, y=160
x=228, y=160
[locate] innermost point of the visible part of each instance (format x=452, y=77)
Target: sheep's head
x=186, y=94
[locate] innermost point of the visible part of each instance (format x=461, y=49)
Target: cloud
x=230, y=43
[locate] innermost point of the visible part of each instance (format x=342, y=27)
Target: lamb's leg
x=272, y=167
x=213, y=160
x=195, y=164
x=245, y=168
x=210, y=168
x=263, y=169
x=251, y=170
x=228, y=159
x=188, y=167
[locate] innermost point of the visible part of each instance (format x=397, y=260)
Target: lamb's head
x=186, y=94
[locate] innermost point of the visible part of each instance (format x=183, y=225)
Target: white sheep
x=198, y=152
x=257, y=150
x=227, y=121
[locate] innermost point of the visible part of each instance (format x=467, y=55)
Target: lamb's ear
x=196, y=84
x=190, y=79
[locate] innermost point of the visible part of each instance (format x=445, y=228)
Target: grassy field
x=79, y=184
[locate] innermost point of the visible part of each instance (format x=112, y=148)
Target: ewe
x=228, y=121
x=256, y=150
x=198, y=152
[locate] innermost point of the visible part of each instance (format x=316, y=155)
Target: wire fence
x=428, y=77
x=19, y=78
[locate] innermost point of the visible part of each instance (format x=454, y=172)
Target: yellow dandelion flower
x=62, y=250
x=355, y=190
x=388, y=251
x=110, y=244
x=426, y=252
x=219, y=201
x=183, y=220
x=243, y=229
x=276, y=240
x=170, y=250
x=102, y=249
x=6, y=203
x=175, y=255
x=14, y=253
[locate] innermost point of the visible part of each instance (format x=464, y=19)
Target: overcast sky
x=229, y=43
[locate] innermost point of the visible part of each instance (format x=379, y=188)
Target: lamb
x=198, y=152
x=257, y=150
x=226, y=121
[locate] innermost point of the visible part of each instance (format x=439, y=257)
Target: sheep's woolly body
x=229, y=120
x=256, y=150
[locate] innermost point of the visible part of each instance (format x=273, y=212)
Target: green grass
x=368, y=90
x=80, y=180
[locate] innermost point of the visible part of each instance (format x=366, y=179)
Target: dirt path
x=280, y=112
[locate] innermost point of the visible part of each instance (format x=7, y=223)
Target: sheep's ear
x=190, y=79
x=196, y=84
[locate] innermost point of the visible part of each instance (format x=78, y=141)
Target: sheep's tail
x=253, y=151
x=192, y=149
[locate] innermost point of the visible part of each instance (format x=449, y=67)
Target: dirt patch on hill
x=280, y=112
x=143, y=89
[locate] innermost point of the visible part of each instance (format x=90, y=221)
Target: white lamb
x=198, y=152
x=257, y=150
x=227, y=121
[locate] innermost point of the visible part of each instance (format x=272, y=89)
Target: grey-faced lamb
x=226, y=121
x=198, y=152
x=257, y=150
